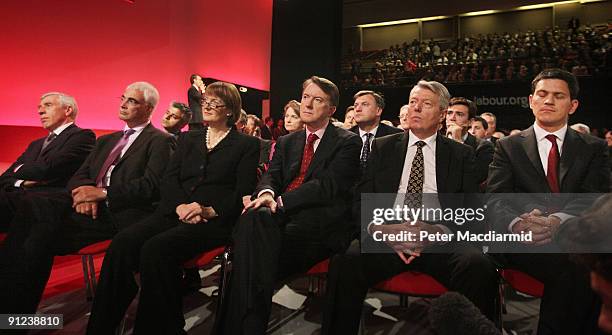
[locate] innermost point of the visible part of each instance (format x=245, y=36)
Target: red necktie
x=552, y=173
x=306, y=158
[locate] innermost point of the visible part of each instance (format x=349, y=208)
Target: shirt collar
x=541, y=133
x=61, y=128
x=138, y=128
x=412, y=139
x=319, y=132
x=373, y=132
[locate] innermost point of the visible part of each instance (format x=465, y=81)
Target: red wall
x=93, y=49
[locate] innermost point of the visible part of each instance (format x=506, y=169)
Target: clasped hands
x=413, y=247
x=194, y=213
x=542, y=227
x=85, y=200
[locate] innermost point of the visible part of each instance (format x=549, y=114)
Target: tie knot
x=552, y=138
x=127, y=133
x=368, y=136
x=420, y=144
x=51, y=136
x=312, y=138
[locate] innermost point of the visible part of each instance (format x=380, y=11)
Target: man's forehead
x=552, y=85
x=314, y=90
x=132, y=92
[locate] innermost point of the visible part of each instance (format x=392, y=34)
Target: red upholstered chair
x=89, y=271
x=411, y=283
x=316, y=282
x=523, y=282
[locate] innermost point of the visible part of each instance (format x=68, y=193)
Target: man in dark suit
x=491, y=126
x=194, y=99
x=175, y=118
x=549, y=157
x=369, y=106
x=297, y=216
x=417, y=163
x=50, y=161
x=117, y=185
x=458, y=116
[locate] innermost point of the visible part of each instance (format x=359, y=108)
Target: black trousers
x=568, y=305
x=156, y=247
x=267, y=248
x=45, y=225
x=458, y=266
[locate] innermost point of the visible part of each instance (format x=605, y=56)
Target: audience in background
x=494, y=56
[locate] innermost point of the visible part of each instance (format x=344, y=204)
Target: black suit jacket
x=134, y=184
x=383, y=130
x=517, y=168
x=324, y=198
x=483, y=151
x=194, y=98
x=56, y=164
x=219, y=178
x=454, y=171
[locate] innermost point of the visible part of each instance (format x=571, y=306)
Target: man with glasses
x=298, y=216
x=116, y=186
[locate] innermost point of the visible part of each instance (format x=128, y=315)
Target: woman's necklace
x=209, y=144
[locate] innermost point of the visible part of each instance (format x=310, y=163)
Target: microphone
x=453, y=314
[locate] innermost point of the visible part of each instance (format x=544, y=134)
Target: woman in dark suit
x=201, y=196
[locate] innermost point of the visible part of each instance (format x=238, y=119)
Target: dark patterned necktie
x=113, y=157
x=365, y=151
x=48, y=141
x=552, y=173
x=306, y=159
x=414, y=191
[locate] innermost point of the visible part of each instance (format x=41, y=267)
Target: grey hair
x=438, y=89
x=581, y=127
x=151, y=95
x=65, y=101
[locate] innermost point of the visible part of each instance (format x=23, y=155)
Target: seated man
x=116, y=186
x=298, y=215
x=549, y=159
x=460, y=113
x=412, y=164
x=50, y=161
x=175, y=118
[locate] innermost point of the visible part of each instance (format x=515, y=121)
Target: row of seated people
x=163, y=204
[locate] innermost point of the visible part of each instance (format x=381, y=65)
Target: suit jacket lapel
x=142, y=138
x=442, y=163
x=530, y=147
x=296, y=150
x=59, y=140
x=325, y=147
x=399, y=158
x=569, y=154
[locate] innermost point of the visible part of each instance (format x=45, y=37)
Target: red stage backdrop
x=93, y=49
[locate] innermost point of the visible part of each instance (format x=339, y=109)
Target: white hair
x=151, y=95
x=581, y=128
x=438, y=89
x=65, y=101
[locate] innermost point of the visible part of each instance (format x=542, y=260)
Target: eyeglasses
x=129, y=101
x=211, y=104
